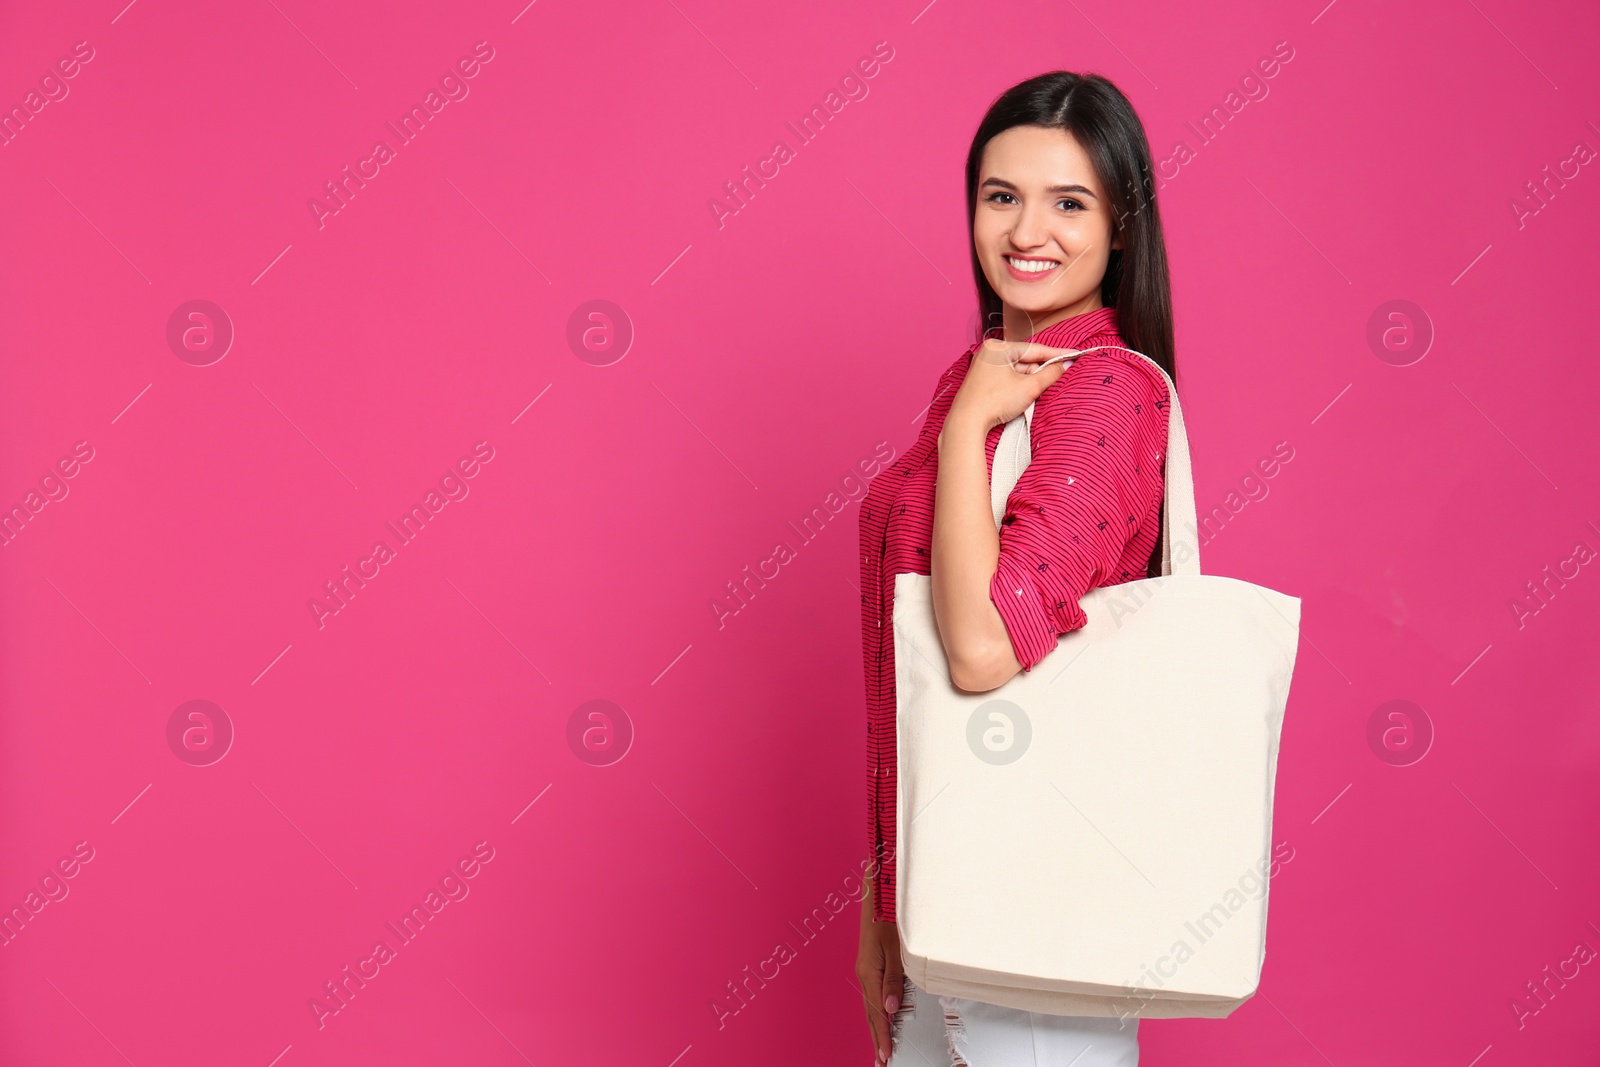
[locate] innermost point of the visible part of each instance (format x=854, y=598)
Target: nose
x=1031, y=230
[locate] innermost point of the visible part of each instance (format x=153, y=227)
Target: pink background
x=771, y=356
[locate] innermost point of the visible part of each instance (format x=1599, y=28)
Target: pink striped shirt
x=1084, y=514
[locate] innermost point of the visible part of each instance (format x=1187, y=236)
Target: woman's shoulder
x=1111, y=372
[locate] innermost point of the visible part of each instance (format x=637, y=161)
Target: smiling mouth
x=1032, y=266
x=1031, y=269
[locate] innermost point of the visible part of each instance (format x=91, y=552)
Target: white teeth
x=1030, y=266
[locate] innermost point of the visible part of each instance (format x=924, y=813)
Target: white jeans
x=932, y=1031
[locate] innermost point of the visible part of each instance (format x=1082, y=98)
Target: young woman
x=1068, y=256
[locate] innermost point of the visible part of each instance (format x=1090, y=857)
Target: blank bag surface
x=1094, y=836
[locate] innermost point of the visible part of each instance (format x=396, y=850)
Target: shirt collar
x=1071, y=333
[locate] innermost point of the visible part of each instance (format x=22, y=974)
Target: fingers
x=882, y=995
x=894, y=987
x=881, y=1034
x=1040, y=355
x=1060, y=363
x=871, y=982
x=1024, y=353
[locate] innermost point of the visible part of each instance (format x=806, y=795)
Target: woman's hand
x=880, y=974
x=1003, y=378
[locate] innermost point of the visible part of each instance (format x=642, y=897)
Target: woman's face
x=1041, y=226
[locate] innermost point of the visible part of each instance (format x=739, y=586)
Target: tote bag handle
x=1014, y=452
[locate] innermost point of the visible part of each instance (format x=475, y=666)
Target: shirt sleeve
x=1099, y=434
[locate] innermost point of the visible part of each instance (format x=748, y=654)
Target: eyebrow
x=1053, y=189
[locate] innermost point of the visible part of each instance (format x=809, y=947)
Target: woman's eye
x=1065, y=203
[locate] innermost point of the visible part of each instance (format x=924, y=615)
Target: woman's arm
x=966, y=551
x=1003, y=597
x=1002, y=378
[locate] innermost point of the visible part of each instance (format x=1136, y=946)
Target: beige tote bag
x=1092, y=837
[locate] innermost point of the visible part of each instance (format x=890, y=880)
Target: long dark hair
x=1095, y=113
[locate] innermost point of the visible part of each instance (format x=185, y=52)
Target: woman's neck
x=1019, y=325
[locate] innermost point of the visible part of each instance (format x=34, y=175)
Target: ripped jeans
x=932, y=1031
